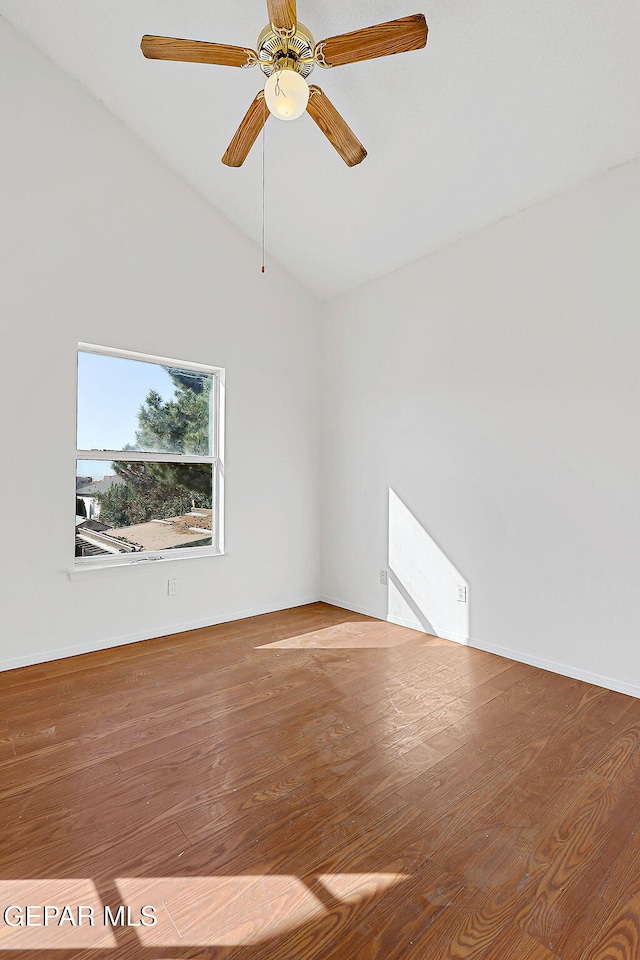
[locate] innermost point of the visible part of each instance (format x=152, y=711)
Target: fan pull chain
x=264, y=127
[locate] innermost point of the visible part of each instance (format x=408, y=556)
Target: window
x=149, y=461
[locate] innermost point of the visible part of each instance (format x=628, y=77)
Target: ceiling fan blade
x=197, y=51
x=382, y=40
x=282, y=14
x=335, y=129
x=247, y=133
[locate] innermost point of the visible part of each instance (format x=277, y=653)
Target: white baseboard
x=618, y=686
x=349, y=606
x=575, y=673
x=92, y=646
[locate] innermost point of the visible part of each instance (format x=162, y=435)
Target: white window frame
x=216, y=460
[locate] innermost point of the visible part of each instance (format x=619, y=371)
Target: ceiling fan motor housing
x=276, y=51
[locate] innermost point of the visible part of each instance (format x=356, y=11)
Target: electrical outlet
x=172, y=587
x=384, y=578
x=462, y=593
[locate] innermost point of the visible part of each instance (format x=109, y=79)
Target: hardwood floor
x=317, y=784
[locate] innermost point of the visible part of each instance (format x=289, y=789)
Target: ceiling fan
x=286, y=54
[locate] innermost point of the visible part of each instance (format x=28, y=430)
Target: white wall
x=494, y=389
x=100, y=242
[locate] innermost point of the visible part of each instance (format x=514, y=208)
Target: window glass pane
x=133, y=405
x=129, y=507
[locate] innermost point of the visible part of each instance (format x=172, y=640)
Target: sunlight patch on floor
x=367, y=635
x=241, y=910
x=220, y=911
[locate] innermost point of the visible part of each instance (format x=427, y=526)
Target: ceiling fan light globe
x=286, y=94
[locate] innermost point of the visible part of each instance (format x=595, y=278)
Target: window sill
x=89, y=571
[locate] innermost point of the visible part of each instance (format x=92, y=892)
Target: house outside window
x=149, y=459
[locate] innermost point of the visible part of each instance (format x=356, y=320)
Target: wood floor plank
x=619, y=937
x=7, y=749
x=513, y=944
x=21, y=677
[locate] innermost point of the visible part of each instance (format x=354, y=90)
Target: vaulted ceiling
x=508, y=104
